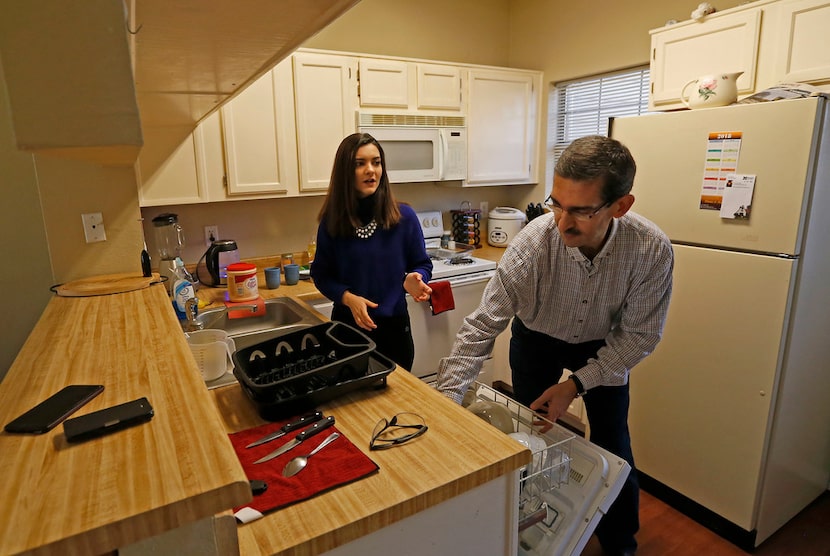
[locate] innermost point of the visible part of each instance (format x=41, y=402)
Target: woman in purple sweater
x=370, y=250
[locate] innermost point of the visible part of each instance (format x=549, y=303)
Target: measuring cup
x=212, y=350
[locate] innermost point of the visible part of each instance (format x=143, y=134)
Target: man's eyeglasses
x=401, y=428
x=581, y=214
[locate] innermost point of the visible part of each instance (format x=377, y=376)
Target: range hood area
x=69, y=67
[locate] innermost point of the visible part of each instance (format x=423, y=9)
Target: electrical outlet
x=485, y=208
x=94, y=227
x=211, y=234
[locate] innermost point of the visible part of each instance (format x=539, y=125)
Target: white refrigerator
x=732, y=410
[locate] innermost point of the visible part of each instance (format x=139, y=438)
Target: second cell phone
x=105, y=421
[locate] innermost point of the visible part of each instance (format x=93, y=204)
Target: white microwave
x=417, y=149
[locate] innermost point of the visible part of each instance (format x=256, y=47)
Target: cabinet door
x=502, y=127
x=384, y=83
x=325, y=88
x=439, y=87
x=804, y=55
x=260, y=148
x=173, y=181
x=683, y=52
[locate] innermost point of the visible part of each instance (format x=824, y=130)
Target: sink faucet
x=190, y=310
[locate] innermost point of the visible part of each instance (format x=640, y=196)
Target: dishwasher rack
x=550, y=468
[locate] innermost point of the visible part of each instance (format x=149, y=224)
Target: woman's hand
x=414, y=285
x=359, y=307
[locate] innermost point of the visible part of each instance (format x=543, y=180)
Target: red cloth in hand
x=442, y=299
x=338, y=463
x=245, y=310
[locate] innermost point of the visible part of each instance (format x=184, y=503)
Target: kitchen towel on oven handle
x=441, y=299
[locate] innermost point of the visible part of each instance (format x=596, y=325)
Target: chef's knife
x=294, y=425
x=306, y=433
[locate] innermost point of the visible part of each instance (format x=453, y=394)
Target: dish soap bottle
x=182, y=289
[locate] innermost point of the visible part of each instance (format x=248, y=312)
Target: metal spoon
x=298, y=464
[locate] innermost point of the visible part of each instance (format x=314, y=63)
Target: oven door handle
x=474, y=278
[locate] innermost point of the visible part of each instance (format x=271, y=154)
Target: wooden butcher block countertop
x=93, y=497
x=458, y=453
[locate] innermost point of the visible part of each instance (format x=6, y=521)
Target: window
x=583, y=107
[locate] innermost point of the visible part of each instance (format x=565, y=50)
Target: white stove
x=449, y=263
x=434, y=334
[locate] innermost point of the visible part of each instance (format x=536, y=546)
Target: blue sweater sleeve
x=372, y=267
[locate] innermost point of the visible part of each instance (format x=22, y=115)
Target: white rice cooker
x=503, y=223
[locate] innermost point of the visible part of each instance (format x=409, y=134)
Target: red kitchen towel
x=441, y=299
x=245, y=310
x=337, y=464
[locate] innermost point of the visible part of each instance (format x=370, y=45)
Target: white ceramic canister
x=242, y=282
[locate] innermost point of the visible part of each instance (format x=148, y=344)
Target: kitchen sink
x=282, y=315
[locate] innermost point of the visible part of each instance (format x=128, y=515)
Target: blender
x=169, y=242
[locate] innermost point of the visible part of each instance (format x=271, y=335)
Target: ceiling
x=67, y=67
x=192, y=55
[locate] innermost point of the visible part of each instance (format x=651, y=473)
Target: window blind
x=583, y=107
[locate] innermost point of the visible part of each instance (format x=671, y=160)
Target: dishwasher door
x=434, y=334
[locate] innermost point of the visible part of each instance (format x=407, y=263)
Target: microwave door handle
x=443, y=153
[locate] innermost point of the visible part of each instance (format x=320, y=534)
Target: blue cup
x=292, y=274
x=272, y=277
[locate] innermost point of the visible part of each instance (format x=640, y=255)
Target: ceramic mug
x=272, y=277
x=292, y=274
x=213, y=350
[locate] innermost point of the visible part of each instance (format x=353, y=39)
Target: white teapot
x=717, y=89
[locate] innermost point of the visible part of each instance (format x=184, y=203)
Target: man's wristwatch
x=580, y=390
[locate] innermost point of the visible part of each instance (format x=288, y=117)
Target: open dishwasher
x=565, y=490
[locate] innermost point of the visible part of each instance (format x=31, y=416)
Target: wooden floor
x=665, y=531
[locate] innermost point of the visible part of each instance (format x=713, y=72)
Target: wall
x=27, y=275
x=463, y=31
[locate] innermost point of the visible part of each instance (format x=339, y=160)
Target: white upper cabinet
x=325, y=88
x=384, y=83
x=260, y=138
x=771, y=41
x=683, y=52
x=172, y=182
x=502, y=127
x=439, y=87
x=804, y=53
x=403, y=85
x=278, y=137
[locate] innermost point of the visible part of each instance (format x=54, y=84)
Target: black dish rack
x=298, y=371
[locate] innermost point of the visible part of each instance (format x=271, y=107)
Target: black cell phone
x=47, y=414
x=105, y=421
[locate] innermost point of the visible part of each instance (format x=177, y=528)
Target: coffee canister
x=242, y=282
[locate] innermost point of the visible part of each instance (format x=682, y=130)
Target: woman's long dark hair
x=340, y=206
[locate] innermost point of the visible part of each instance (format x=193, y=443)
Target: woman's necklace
x=365, y=232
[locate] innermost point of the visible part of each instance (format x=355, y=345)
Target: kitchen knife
x=294, y=425
x=306, y=433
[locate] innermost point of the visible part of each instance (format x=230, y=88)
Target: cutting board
x=106, y=284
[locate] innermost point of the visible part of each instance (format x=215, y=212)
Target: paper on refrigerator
x=737, y=196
